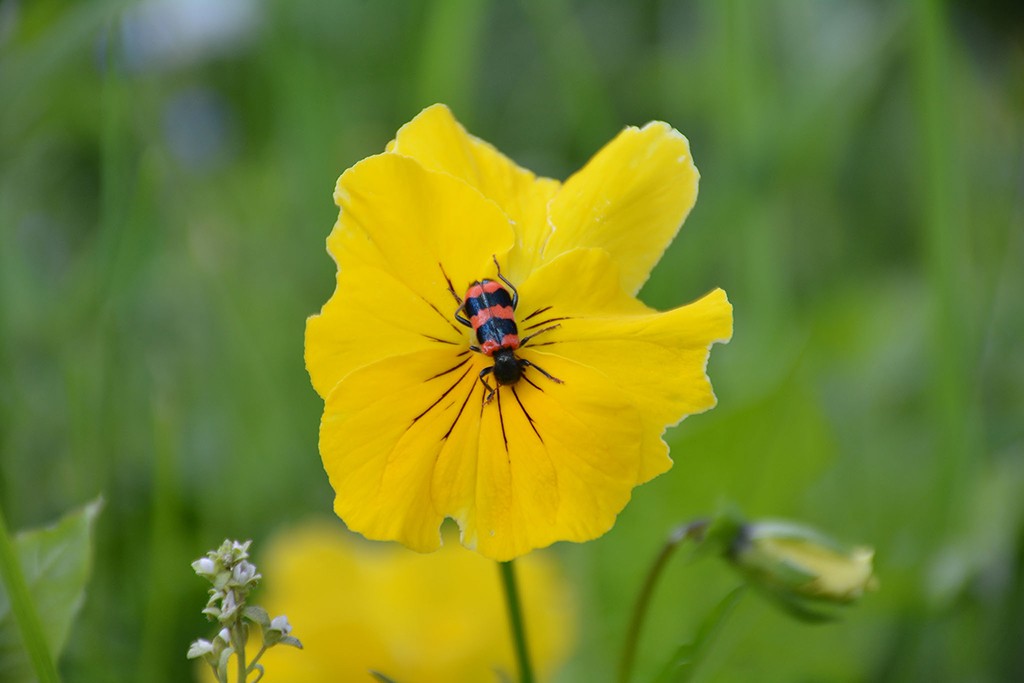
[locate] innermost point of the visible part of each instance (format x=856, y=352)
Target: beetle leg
x=461, y=318
x=523, y=363
x=490, y=391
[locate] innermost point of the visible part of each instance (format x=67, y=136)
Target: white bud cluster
x=232, y=577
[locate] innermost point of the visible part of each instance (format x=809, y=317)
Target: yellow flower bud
x=798, y=564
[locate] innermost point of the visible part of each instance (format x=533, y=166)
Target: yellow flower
x=412, y=617
x=407, y=436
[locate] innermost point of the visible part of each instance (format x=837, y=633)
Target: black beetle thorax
x=506, y=367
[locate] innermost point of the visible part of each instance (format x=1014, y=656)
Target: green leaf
x=258, y=615
x=802, y=609
x=54, y=564
x=290, y=640
x=683, y=664
x=222, y=665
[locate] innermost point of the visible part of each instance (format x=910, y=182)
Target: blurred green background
x=166, y=171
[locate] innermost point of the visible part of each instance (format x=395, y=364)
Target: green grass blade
x=685, y=661
x=23, y=610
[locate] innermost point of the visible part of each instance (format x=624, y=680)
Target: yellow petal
x=630, y=199
x=575, y=284
x=416, y=225
x=437, y=141
x=655, y=360
x=556, y=461
x=372, y=316
x=659, y=361
x=407, y=442
x=384, y=427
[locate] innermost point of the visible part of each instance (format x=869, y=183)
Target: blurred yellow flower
x=408, y=436
x=416, y=618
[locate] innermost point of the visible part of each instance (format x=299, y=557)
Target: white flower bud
x=200, y=648
x=281, y=624
x=243, y=573
x=229, y=606
x=204, y=566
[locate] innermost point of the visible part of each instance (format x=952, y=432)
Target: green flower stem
x=239, y=635
x=694, y=530
x=256, y=660
x=515, y=618
x=24, y=610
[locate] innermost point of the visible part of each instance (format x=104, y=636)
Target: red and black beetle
x=490, y=311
